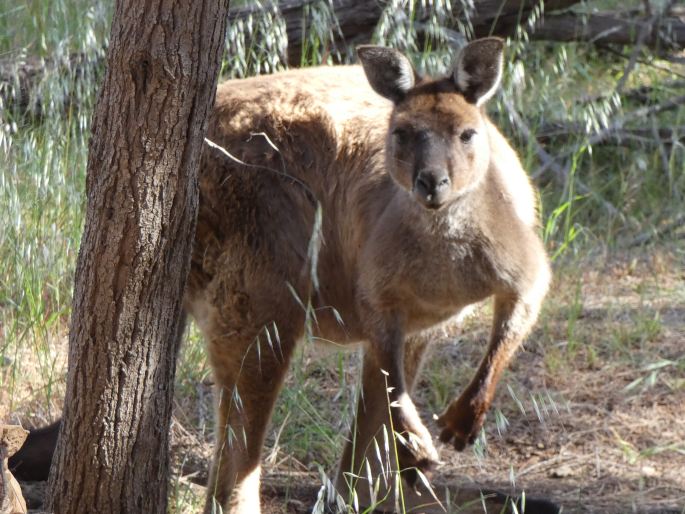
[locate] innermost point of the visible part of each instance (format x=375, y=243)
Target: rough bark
x=147, y=133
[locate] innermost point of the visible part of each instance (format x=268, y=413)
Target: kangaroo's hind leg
x=415, y=352
x=249, y=368
x=372, y=416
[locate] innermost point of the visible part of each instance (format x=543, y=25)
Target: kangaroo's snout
x=431, y=187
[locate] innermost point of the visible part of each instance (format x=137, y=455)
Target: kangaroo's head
x=437, y=146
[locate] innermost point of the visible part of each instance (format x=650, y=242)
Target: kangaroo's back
x=298, y=141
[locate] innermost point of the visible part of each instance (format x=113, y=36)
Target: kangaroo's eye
x=402, y=134
x=467, y=135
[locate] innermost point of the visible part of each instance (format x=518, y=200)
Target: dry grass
x=590, y=414
x=593, y=406
x=608, y=433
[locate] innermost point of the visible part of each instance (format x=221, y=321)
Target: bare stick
x=616, y=127
x=655, y=233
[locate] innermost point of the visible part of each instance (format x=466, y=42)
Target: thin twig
x=660, y=146
x=657, y=136
x=655, y=233
x=601, y=135
x=645, y=29
x=295, y=180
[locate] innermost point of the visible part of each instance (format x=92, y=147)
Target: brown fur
x=392, y=268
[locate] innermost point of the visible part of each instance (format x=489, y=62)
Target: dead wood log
x=662, y=33
x=356, y=20
x=617, y=127
x=22, y=79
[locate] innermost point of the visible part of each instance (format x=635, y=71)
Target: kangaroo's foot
x=462, y=421
x=415, y=449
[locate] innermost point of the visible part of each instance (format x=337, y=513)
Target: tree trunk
x=148, y=129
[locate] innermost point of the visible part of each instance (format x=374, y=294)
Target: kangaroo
x=425, y=210
x=388, y=202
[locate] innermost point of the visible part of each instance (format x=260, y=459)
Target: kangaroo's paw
x=461, y=422
x=415, y=448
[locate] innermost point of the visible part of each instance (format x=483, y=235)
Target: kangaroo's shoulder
x=509, y=181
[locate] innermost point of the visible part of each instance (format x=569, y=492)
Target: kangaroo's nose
x=431, y=183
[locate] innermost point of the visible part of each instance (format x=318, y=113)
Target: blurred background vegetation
x=593, y=99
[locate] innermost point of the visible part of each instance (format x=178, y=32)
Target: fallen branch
x=602, y=29
x=641, y=94
x=560, y=173
x=638, y=115
x=637, y=48
x=662, y=135
x=658, y=232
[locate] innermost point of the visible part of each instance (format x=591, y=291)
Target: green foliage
x=52, y=29
x=42, y=171
x=42, y=175
x=256, y=44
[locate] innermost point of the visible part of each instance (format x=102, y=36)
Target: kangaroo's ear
x=478, y=69
x=389, y=73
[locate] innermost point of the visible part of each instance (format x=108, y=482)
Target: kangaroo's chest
x=454, y=274
x=430, y=277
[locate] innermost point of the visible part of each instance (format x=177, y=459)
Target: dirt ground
x=594, y=404
x=608, y=431
x=590, y=415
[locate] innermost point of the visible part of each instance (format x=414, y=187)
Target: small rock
x=11, y=499
x=563, y=471
x=649, y=472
